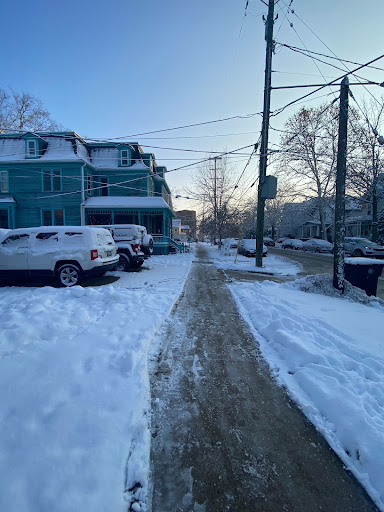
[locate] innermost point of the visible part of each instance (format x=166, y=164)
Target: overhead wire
x=281, y=109
x=322, y=42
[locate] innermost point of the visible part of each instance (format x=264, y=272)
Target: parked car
x=317, y=245
x=134, y=245
x=230, y=243
x=292, y=243
x=3, y=232
x=68, y=253
x=268, y=241
x=363, y=247
x=247, y=247
x=280, y=240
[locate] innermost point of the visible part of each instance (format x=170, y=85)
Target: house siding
x=77, y=159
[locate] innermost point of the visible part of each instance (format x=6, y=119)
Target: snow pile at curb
x=328, y=353
x=323, y=284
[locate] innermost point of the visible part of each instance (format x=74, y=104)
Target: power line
x=322, y=42
x=246, y=116
x=278, y=111
x=328, y=56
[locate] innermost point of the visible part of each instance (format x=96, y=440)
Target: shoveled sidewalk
x=225, y=437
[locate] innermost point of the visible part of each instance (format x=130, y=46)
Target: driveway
x=225, y=437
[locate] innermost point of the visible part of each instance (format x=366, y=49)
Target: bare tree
x=366, y=168
x=309, y=154
x=23, y=111
x=214, y=188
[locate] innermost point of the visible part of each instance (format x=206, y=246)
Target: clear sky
x=125, y=67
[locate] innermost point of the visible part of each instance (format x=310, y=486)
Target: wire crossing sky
x=108, y=70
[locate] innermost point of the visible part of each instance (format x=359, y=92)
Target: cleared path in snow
x=225, y=437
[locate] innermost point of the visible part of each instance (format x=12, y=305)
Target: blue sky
x=124, y=67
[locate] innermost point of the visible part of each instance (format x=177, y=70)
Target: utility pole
x=264, y=133
x=338, y=260
x=215, y=195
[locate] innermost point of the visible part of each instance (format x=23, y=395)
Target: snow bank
x=74, y=390
x=328, y=352
x=277, y=265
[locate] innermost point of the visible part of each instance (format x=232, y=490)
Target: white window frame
x=33, y=153
x=4, y=181
x=125, y=158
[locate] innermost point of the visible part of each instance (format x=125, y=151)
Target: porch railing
x=162, y=241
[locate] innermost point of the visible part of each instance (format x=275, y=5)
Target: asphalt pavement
x=225, y=437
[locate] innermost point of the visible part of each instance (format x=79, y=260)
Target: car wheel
x=357, y=253
x=123, y=264
x=148, y=245
x=69, y=275
x=137, y=264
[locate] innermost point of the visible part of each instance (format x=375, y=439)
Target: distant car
x=68, y=253
x=268, y=241
x=281, y=240
x=356, y=246
x=317, y=245
x=292, y=243
x=230, y=243
x=247, y=247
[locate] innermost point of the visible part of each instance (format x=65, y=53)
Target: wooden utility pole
x=264, y=133
x=338, y=260
x=215, y=195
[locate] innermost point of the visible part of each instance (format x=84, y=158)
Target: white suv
x=68, y=253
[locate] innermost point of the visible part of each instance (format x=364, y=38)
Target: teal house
x=59, y=178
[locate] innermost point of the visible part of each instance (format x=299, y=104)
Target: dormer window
x=125, y=157
x=31, y=148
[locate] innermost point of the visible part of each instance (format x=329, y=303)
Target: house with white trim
x=59, y=178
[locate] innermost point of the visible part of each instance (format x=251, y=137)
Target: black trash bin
x=363, y=273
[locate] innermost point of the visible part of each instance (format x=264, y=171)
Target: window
x=31, y=148
x=4, y=221
x=124, y=157
x=53, y=217
x=17, y=241
x=51, y=180
x=4, y=181
x=89, y=184
x=46, y=236
x=103, y=186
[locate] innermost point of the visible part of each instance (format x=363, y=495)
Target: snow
x=225, y=259
x=329, y=353
x=74, y=377
x=74, y=390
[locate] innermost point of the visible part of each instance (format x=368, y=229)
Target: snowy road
x=225, y=437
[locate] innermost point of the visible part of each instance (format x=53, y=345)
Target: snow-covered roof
x=126, y=202
x=66, y=147
x=7, y=199
x=12, y=149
